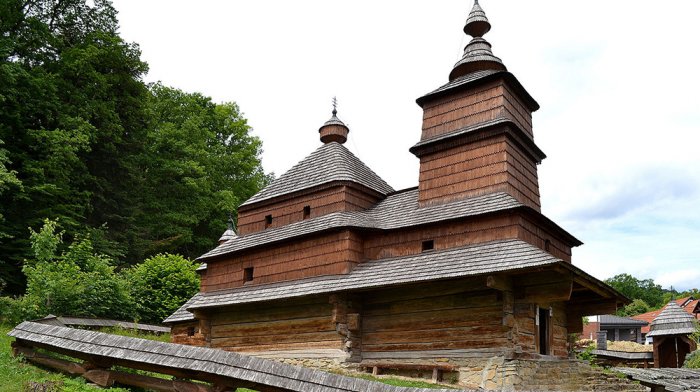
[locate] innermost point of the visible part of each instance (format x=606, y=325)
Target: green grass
x=16, y=374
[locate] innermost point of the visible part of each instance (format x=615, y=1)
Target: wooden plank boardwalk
x=221, y=370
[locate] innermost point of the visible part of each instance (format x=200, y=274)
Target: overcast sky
x=617, y=82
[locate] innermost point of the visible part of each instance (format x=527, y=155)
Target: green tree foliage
x=75, y=282
x=646, y=290
x=638, y=306
x=692, y=361
x=200, y=164
x=72, y=119
x=136, y=171
x=161, y=284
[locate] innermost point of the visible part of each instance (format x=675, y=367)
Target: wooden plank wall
x=327, y=254
x=430, y=320
x=491, y=165
x=302, y=326
x=322, y=202
x=446, y=235
x=536, y=235
x=488, y=102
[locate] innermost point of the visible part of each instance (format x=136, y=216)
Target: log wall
x=187, y=333
x=322, y=202
x=494, y=100
x=304, y=327
x=327, y=254
x=491, y=165
x=431, y=320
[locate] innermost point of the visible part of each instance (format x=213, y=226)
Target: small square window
x=307, y=212
x=190, y=331
x=427, y=245
x=268, y=221
x=248, y=274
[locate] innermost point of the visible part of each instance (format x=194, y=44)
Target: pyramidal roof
x=673, y=320
x=330, y=162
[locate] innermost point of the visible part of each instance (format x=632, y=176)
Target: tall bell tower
x=477, y=129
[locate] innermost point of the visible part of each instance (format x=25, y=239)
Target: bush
x=692, y=361
x=161, y=284
x=77, y=282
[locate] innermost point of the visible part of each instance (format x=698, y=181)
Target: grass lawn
x=16, y=374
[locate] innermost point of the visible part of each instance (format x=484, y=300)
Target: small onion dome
x=477, y=53
x=334, y=130
x=673, y=320
x=229, y=234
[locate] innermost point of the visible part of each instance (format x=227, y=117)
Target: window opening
x=547, y=245
x=307, y=212
x=190, y=331
x=248, y=274
x=428, y=245
x=268, y=221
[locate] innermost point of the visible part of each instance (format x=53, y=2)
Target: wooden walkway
x=222, y=371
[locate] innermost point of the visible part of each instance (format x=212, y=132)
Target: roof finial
x=477, y=54
x=334, y=130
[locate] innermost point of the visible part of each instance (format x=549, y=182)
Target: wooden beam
x=499, y=282
x=71, y=368
x=552, y=292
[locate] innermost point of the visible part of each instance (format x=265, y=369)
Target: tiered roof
x=330, y=163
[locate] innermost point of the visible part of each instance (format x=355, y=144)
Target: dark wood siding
x=326, y=254
x=322, y=202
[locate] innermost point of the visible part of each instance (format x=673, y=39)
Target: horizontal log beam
x=499, y=282
x=551, y=292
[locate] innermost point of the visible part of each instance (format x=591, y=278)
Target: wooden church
x=332, y=264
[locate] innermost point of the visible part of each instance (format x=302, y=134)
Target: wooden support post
x=437, y=375
x=100, y=377
x=375, y=370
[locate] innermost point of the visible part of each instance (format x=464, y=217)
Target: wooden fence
x=194, y=369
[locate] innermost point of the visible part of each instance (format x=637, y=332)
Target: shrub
x=692, y=361
x=77, y=282
x=161, y=284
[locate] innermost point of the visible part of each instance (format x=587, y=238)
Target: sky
x=617, y=82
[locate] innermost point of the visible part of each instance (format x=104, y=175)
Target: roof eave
x=509, y=77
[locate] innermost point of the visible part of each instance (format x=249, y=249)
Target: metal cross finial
x=335, y=106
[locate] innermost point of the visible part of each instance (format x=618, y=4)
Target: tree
x=73, y=119
x=200, y=163
x=161, y=284
x=646, y=290
x=638, y=306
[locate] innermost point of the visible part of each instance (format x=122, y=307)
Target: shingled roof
x=673, y=320
x=197, y=360
x=398, y=210
x=330, y=162
x=472, y=260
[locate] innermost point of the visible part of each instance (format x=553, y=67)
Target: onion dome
x=229, y=234
x=673, y=320
x=477, y=53
x=334, y=130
